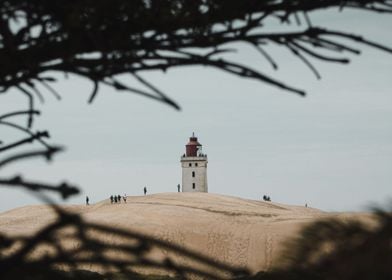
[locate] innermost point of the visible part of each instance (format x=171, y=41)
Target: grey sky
x=332, y=149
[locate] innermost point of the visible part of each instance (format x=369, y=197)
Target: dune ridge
x=241, y=232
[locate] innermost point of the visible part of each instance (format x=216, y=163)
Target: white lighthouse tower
x=194, y=167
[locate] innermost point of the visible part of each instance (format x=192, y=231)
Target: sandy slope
x=237, y=231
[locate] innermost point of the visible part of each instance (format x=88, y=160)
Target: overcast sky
x=332, y=149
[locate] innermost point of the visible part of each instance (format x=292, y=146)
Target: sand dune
x=236, y=231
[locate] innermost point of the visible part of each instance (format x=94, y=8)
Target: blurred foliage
x=99, y=39
x=338, y=249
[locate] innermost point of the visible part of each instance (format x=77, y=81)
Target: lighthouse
x=194, y=167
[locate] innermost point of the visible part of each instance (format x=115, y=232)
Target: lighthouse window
x=196, y=164
x=193, y=173
x=190, y=164
x=193, y=185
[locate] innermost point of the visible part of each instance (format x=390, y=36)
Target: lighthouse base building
x=194, y=167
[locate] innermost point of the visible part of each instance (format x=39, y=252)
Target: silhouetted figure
x=178, y=187
x=111, y=199
x=87, y=200
x=266, y=198
x=306, y=205
x=145, y=190
x=115, y=199
x=119, y=198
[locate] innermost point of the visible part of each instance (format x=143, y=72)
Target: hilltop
x=241, y=232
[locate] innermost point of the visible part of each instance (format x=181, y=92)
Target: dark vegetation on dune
x=327, y=249
x=338, y=249
x=88, y=275
x=100, y=40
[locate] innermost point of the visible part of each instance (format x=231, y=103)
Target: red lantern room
x=193, y=148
